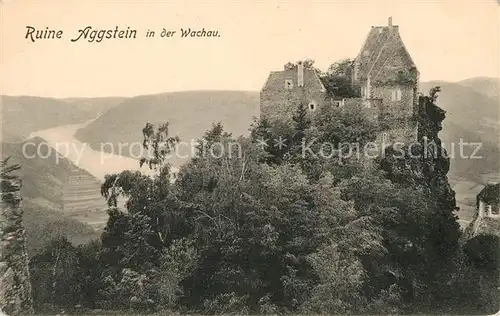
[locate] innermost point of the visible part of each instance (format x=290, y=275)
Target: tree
x=307, y=63
x=301, y=123
x=15, y=288
x=433, y=93
x=338, y=79
x=341, y=68
x=289, y=65
x=56, y=275
x=134, y=239
x=250, y=228
x=10, y=183
x=91, y=269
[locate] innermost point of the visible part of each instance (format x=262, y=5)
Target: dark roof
x=276, y=79
x=382, y=43
x=490, y=194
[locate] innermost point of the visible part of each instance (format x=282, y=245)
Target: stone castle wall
x=397, y=118
x=396, y=109
x=277, y=102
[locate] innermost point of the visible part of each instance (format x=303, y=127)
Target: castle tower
x=385, y=71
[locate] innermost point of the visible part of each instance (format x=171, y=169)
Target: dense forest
x=256, y=229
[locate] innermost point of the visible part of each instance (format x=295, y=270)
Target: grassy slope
x=43, y=178
x=22, y=115
x=43, y=182
x=42, y=224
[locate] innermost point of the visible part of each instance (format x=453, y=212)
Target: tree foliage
x=250, y=228
x=338, y=79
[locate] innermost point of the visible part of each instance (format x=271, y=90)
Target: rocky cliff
x=15, y=287
x=424, y=165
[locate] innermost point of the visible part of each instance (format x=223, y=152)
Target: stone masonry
x=285, y=90
x=383, y=72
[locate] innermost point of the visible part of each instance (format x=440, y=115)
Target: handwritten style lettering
x=97, y=36
x=33, y=34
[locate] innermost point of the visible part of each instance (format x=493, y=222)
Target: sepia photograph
x=249, y=157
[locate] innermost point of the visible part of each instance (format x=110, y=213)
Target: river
x=97, y=163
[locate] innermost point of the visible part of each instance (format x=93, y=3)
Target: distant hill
x=22, y=115
x=96, y=106
x=189, y=114
x=473, y=117
x=484, y=85
x=43, y=178
x=44, y=181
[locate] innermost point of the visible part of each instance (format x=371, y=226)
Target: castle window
x=289, y=84
x=488, y=210
x=396, y=95
x=338, y=104
x=495, y=210
x=312, y=106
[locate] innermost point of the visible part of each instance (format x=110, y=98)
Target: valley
x=94, y=161
x=85, y=171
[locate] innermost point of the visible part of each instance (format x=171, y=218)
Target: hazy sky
x=448, y=40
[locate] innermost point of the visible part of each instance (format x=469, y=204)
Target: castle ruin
x=383, y=73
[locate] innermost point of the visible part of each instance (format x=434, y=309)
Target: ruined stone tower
x=384, y=74
x=388, y=79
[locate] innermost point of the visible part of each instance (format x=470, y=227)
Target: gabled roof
x=381, y=45
x=490, y=194
x=276, y=79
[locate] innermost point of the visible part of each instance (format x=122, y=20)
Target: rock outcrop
x=424, y=165
x=15, y=286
